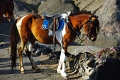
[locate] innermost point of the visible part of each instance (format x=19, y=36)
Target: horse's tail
x=14, y=38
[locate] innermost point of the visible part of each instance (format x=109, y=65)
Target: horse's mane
x=81, y=12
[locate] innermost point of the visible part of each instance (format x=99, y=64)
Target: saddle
x=49, y=17
x=53, y=23
x=49, y=22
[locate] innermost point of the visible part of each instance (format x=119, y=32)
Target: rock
x=108, y=15
x=55, y=6
x=100, y=66
x=108, y=12
x=75, y=50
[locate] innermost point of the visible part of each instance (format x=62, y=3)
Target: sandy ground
x=48, y=72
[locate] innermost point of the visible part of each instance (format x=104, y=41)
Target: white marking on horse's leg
x=59, y=66
x=30, y=48
x=59, y=36
x=63, y=59
x=62, y=64
x=22, y=70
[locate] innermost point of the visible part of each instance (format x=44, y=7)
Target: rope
x=81, y=39
x=99, y=52
x=88, y=47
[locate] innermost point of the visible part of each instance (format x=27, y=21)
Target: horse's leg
x=61, y=65
x=30, y=48
x=20, y=50
x=29, y=54
x=34, y=66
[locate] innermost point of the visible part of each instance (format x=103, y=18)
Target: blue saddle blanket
x=60, y=24
x=45, y=24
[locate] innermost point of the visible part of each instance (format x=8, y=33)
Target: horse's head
x=85, y=22
x=92, y=27
x=9, y=10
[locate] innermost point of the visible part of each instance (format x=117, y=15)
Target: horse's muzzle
x=92, y=39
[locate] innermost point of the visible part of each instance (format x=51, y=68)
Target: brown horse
x=31, y=25
x=6, y=8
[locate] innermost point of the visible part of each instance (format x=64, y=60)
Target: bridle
x=78, y=32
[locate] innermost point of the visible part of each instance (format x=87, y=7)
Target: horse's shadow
x=4, y=45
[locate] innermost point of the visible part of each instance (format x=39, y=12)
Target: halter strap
x=78, y=33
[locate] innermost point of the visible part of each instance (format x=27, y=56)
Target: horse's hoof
x=66, y=77
x=33, y=68
x=23, y=72
x=38, y=71
x=58, y=71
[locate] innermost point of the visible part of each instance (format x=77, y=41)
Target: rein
x=78, y=33
x=98, y=53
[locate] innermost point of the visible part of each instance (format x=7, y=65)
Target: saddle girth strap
x=54, y=34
